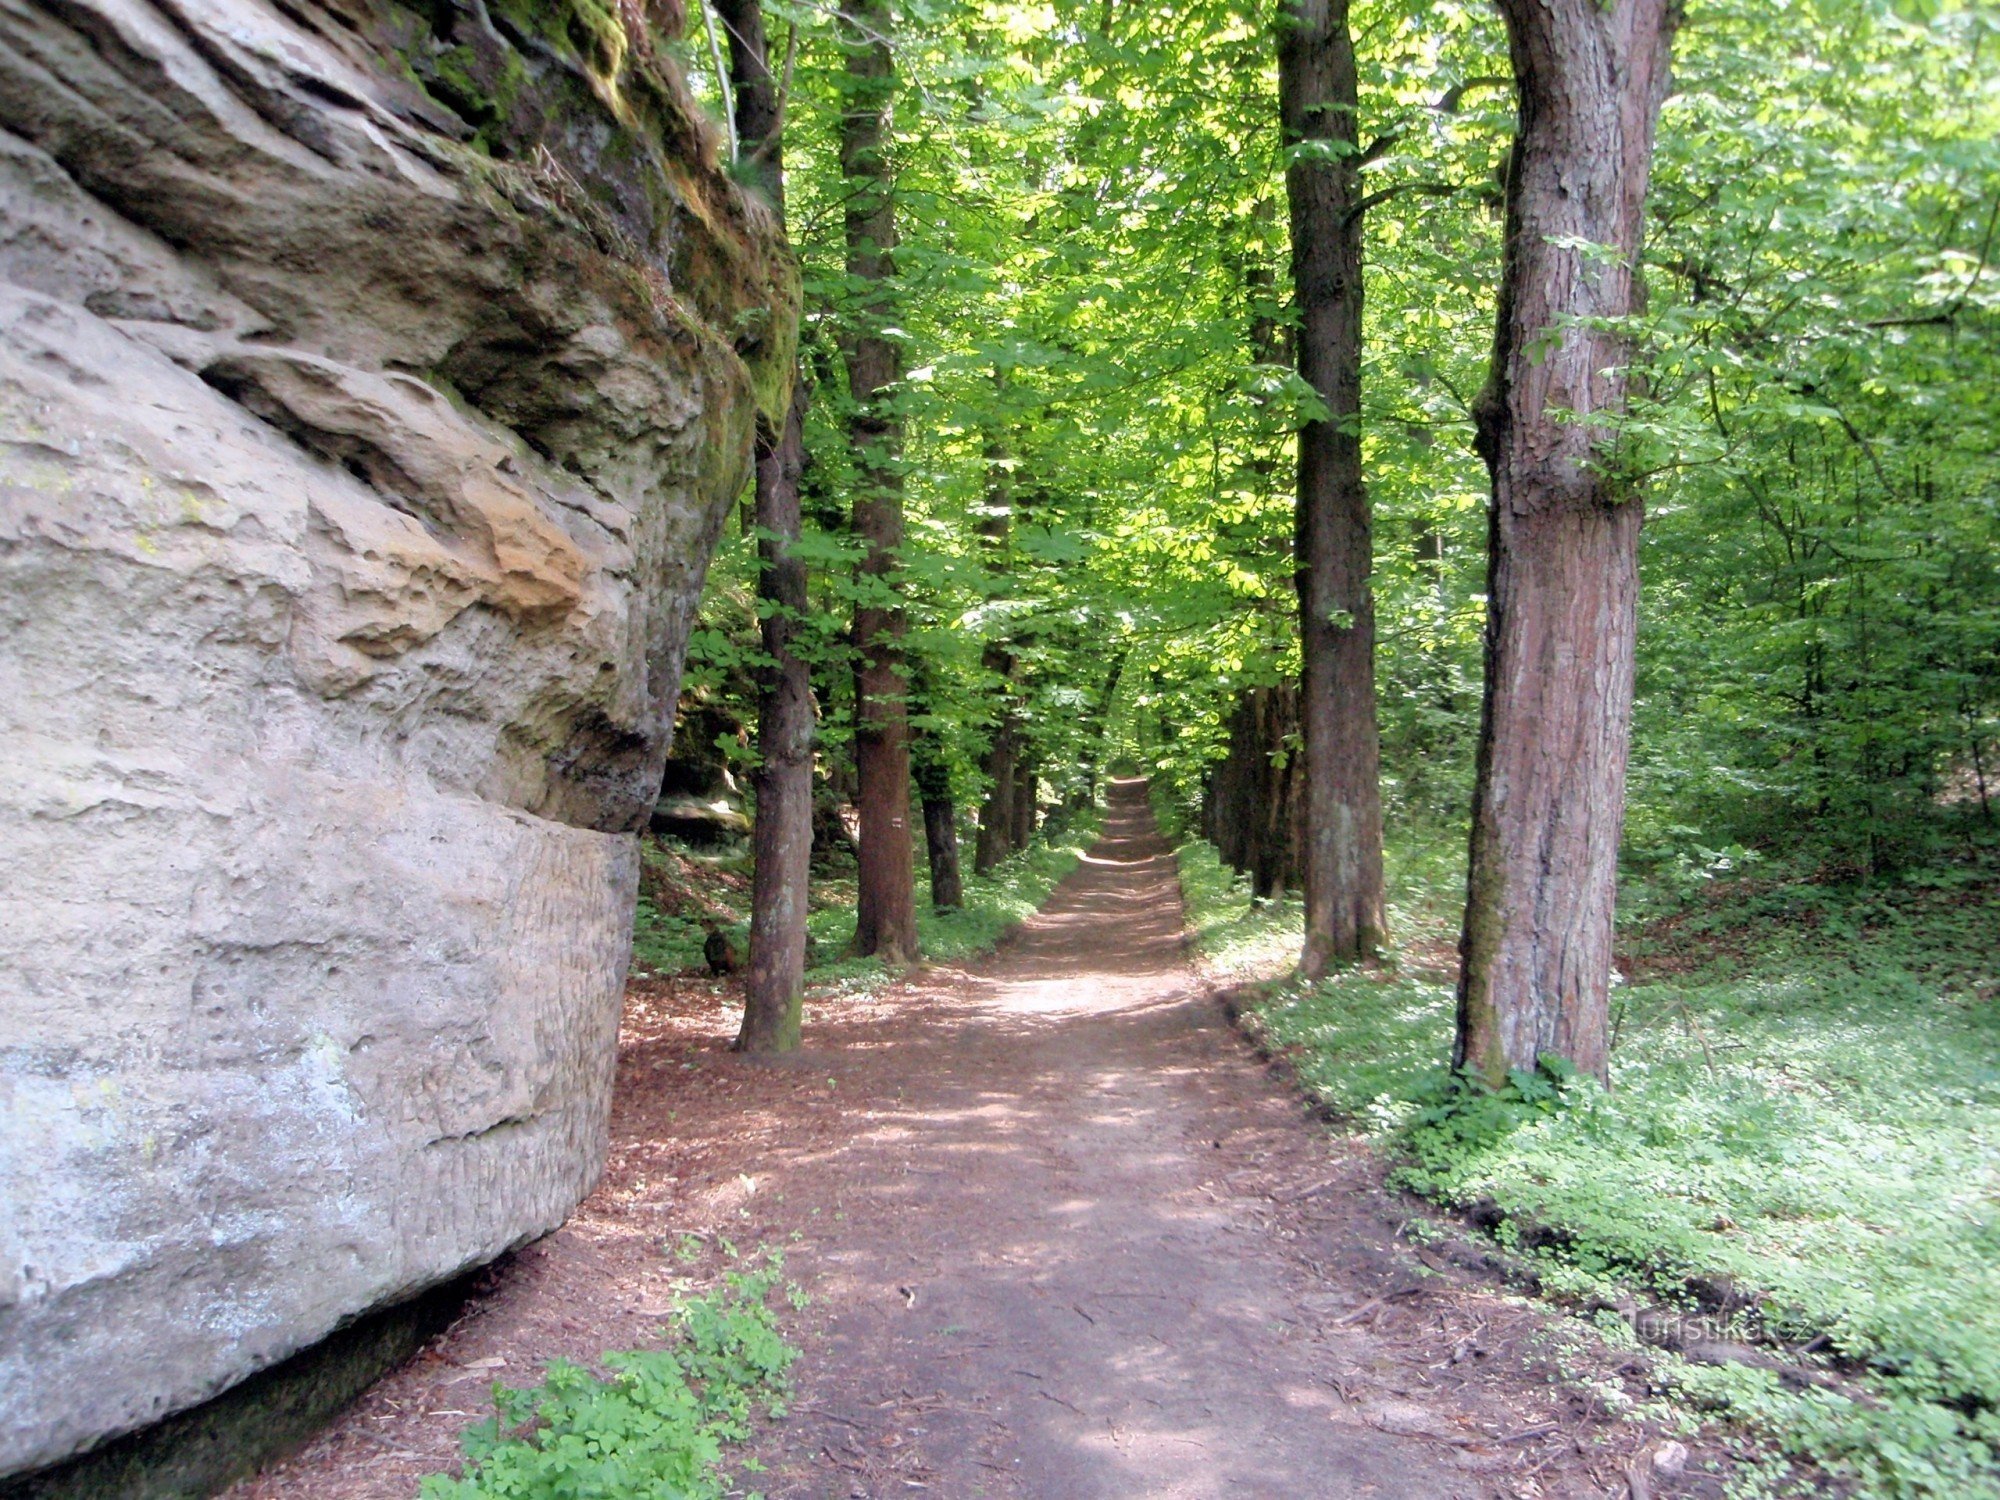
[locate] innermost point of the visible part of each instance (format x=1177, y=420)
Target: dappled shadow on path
x=1065, y=1237
x=1033, y=1285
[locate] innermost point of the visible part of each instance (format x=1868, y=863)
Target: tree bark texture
x=1342, y=854
x=1027, y=804
x=1252, y=810
x=1563, y=532
x=932, y=773
x=996, y=815
x=941, y=838
x=782, y=837
x=885, y=910
x=1095, y=724
x=1274, y=854
x=832, y=799
x=755, y=88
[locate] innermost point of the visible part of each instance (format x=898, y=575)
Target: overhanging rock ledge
x=374, y=383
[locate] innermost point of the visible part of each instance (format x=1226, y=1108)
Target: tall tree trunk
x=1342, y=855
x=1233, y=787
x=885, y=909
x=1270, y=713
x=1027, y=791
x=941, y=834
x=781, y=839
x=1165, y=730
x=1563, y=532
x=996, y=816
x=1249, y=811
x=933, y=777
x=1273, y=854
x=760, y=106
x=1096, y=722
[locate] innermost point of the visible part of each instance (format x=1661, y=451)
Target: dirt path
x=1041, y=1269
x=1065, y=1237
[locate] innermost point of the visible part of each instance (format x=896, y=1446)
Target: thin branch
x=1455, y=95
x=1854, y=434
x=1447, y=104
x=1427, y=189
x=721, y=78
x=785, y=87
x=1929, y=320
x=1948, y=317
x=1377, y=148
x=1985, y=255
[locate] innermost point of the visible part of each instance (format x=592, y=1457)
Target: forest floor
x=1787, y=1197
x=1064, y=1235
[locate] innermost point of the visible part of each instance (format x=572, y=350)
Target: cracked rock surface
x=374, y=383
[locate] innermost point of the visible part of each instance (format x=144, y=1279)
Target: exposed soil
x=1065, y=1237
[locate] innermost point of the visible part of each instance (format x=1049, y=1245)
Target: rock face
x=373, y=385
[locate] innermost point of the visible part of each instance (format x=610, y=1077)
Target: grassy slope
x=1806, y=1101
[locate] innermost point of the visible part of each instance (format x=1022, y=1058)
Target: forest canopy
x=1095, y=331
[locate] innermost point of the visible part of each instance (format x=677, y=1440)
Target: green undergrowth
x=1237, y=936
x=661, y=1424
x=1234, y=935
x=685, y=891
x=681, y=892
x=1801, y=1140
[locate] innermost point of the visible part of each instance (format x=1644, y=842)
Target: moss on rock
x=581, y=100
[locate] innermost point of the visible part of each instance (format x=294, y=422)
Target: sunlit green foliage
x=1822, y=620
x=1093, y=300
x=1093, y=294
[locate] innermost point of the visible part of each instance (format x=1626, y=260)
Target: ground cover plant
x=1801, y=1138
x=659, y=1425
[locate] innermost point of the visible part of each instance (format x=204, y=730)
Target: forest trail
x=1044, y=1282
x=1064, y=1234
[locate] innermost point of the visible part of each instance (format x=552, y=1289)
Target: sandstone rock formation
x=373, y=384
